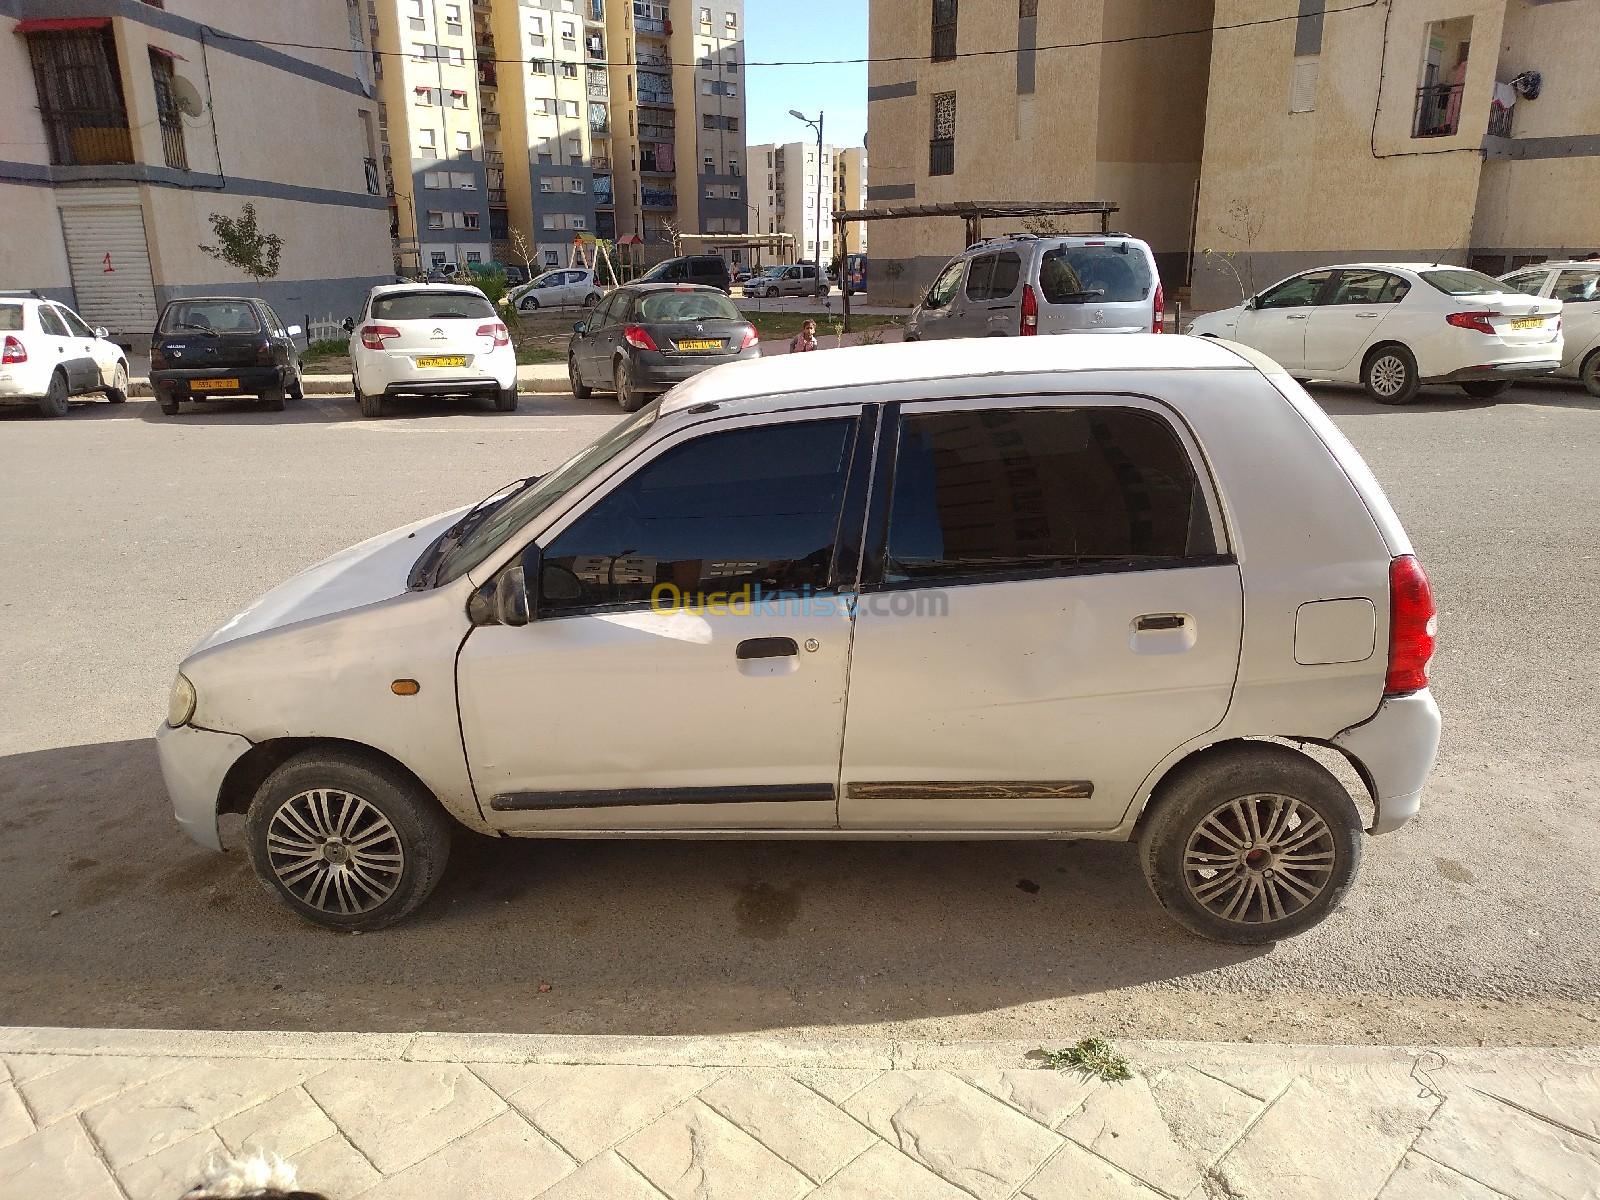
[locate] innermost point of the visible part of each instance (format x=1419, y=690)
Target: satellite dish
x=188, y=98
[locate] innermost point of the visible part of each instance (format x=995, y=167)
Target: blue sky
x=805, y=29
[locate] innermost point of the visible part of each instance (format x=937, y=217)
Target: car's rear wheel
x=579, y=388
x=591, y=299
x=1485, y=389
x=505, y=400
x=1390, y=375
x=1590, y=373
x=117, y=393
x=346, y=841
x=54, y=403
x=272, y=399
x=371, y=406
x=628, y=398
x=296, y=387
x=1251, y=844
x=168, y=402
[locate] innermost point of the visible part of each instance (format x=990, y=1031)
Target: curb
x=339, y=385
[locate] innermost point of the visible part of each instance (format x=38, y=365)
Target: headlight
x=180, y=705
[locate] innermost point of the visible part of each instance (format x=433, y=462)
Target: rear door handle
x=1152, y=621
x=1297, y=317
x=767, y=647
x=1369, y=316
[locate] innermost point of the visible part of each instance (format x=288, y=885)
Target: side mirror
x=294, y=331
x=580, y=327
x=101, y=331
x=348, y=324
x=1250, y=304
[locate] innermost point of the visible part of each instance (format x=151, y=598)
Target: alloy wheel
x=1259, y=858
x=1388, y=375
x=335, y=852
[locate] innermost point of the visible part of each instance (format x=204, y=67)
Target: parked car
x=1393, y=327
x=647, y=337
x=516, y=275
x=708, y=270
x=796, y=279
x=884, y=592
x=1577, y=286
x=223, y=347
x=1027, y=285
x=426, y=339
x=558, y=289
x=48, y=354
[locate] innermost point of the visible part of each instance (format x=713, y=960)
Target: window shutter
x=1303, y=85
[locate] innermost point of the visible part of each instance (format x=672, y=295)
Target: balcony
x=87, y=137
x=494, y=158
x=497, y=197
x=658, y=197
x=653, y=58
x=599, y=86
x=486, y=75
x=595, y=10
x=650, y=26
x=599, y=125
x=1438, y=111
x=491, y=119
x=374, y=185
x=601, y=162
x=655, y=133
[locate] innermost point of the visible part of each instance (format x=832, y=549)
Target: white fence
x=326, y=329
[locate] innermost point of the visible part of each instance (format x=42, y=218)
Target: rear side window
x=1530, y=282
x=1577, y=287
x=687, y=306
x=210, y=316
x=1116, y=273
x=993, y=276
x=1369, y=287
x=10, y=317
x=1462, y=282
x=50, y=323
x=435, y=304
x=755, y=507
x=1003, y=492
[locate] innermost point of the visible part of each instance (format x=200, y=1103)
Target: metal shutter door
x=123, y=299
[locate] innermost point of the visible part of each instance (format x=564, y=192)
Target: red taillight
x=1472, y=320
x=158, y=360
x=372, y=335
x=1030, y=311
x=751, y=338
x=1413, y=626
x=14, y=352
x=1161, y=309
x=500, y=334
x=638, y=337
x=264, y=352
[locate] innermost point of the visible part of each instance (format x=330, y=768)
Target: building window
x=539, y=66
x=435, y=219
x=569, y=70
x=458, y=100
x=705, y=16
x=1444, y=76
x=1303, y=85
x=464, y=142
x=172, y=147
x=730, y=22
x=547, y=184
x=710, y=165
x=575, y=184
x=551, y=259
x=580, y=223
x=569, y=108
x=425, y=143
x=944, y=30
x=733, y=166
x=731, y=66
x=942, y=146
x=473, y=256
x=469, y=220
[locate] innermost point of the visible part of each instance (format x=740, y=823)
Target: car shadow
x=322, y=410
x=110, y=916
x=1349, y=400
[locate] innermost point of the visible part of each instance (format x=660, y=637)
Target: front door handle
x=1297, y=316
x=1159, y=621
x=767, y=647
x=1369, y=316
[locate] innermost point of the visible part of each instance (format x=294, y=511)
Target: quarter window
x=1002, y=492
x=756, y=507
x=993, y=276
x=1577, y=287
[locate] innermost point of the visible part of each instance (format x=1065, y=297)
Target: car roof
x=658, y=286
x=385, y=289
x=786, y=380
x=1563, y=264
x=212, y=300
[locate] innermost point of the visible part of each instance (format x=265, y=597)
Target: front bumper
x=654, y=371
x=252, y=380
x=194, y=762
x=1519, y=369
x=1394, y=750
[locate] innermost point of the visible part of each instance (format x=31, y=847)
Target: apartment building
x=784, y=194
x=1462, y=130
x=850, y=194
x=128, y=124
x=561, y=120
x=1124, y=120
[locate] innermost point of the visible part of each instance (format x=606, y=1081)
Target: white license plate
x=1528, y=323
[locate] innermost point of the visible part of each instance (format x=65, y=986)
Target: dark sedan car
x=643, y=339
x=221, y=348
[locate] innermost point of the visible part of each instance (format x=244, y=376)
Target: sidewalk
x=110, y=1114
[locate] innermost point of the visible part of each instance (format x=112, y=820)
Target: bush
x=327, y=348
x=491, y=281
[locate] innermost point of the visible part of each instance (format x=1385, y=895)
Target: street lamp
x=822, y=271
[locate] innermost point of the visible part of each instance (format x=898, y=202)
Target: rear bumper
x=194, y=762
x=653, y=371
x=395, y=373
x=1394, y=749
x=1521, y=369
x=251, y=379
x=442, y=387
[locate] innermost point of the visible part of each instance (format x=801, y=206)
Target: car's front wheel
x=117, y=393
x=529, y=304
x=591, y=299
x=1251, y=844
x=346, y=841
x=1390, y=375
x=579, y=389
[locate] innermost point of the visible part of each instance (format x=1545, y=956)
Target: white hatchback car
x=48, y=354
x=888, y=592
x=1577, y=286
x=430, y=339
x=1393, y=327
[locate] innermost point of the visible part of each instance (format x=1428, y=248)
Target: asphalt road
x=126, y=536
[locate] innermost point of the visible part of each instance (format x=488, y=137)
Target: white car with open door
x=1392, y=327
x=430, y=339
x=1577, y=286
x=884, y=592
x=48, y=354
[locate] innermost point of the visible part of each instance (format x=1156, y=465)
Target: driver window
x=1529, y=282
x=945, y=287
x=754, y=508
x=1298, y=292
x=73, y=323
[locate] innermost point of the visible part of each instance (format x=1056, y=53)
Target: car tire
x=1485, y=389
x=271, y=399
x=299, y=829
x=528, y=304
x=1390, y=375
x=1589, y=373
x=1214, y=811
x=168, y=402
x=371, y=406
x=117, y=393
x=54, y=402
x=505, y=400
x=296, y=388
x=591, y=299
x=580, y=389
x=628, y=398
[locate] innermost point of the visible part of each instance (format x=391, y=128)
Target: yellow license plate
x=700, y=344
x=1528, y=323
x=213, y=385
x=443, y=360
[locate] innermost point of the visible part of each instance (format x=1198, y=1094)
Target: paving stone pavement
x=134, y=1114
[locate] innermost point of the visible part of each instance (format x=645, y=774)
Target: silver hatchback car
x=1025, y=285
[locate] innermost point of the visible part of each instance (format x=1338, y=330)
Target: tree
x=242, y=245
x=524, y=249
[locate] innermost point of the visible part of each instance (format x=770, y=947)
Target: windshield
x=1115, y=274
x=219, y=316
x=687, y=306
x=432, y=305
x=523, y=507
x=1462, y=282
